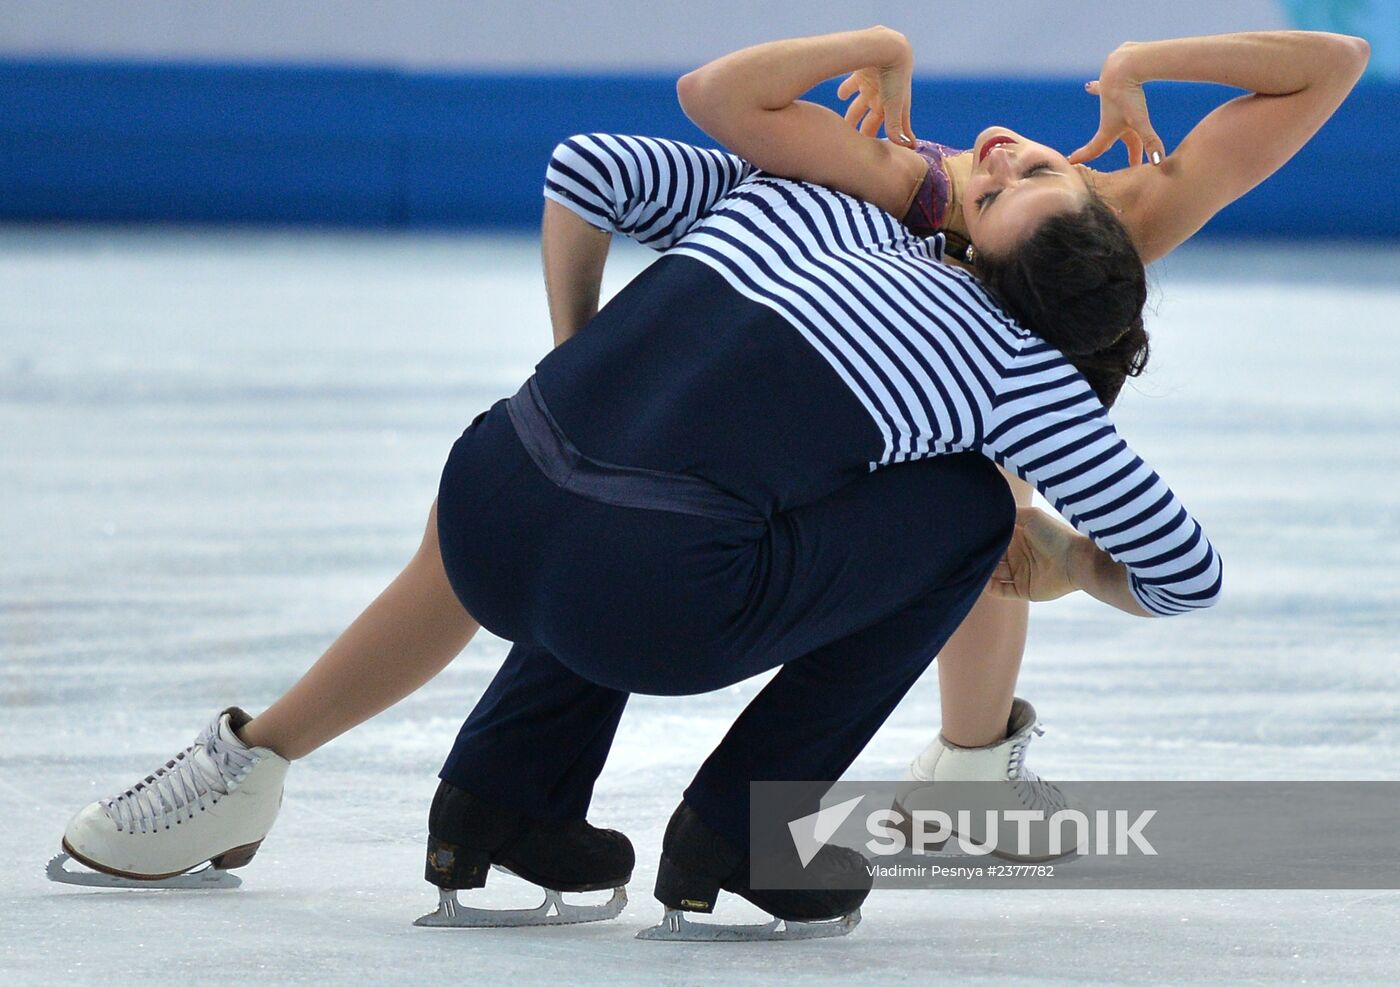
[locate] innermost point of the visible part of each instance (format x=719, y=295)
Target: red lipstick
x=993, y=142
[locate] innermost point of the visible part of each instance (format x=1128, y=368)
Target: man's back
x=791, y=338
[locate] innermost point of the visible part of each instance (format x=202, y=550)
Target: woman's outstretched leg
x=401, y=640
x=216, y=800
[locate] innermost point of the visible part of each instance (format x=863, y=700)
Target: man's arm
x=574, y=252
x=1150, y=556
x=648, y=188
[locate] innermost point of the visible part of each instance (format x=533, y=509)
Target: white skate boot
x=941, y=779
x=213, y=802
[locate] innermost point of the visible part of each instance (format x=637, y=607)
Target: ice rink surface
x=215, y=448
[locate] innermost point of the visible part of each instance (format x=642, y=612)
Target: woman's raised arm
x=748, y=101
x=1297, y=79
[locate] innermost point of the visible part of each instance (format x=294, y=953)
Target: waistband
x=623, y=486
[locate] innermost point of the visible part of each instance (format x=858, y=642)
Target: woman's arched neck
x=958, y=168
x=1104, y=184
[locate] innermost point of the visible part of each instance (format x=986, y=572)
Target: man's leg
x=820, y=711
x=899, y=557
x=515, y=791
x=537, y=739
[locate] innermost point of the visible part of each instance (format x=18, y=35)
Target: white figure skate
x=1005, y=784
x=213, y=802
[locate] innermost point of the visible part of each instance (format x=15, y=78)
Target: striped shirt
x=932, y=359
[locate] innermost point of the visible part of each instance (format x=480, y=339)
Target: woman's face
x=1016, y=184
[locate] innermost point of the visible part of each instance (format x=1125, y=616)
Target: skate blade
x=675, y=927
x=452, y=914
x=204, y=879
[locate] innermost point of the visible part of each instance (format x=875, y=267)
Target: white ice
x=215, y=448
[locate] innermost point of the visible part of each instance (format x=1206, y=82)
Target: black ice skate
x=467, y=836
x=697, y=863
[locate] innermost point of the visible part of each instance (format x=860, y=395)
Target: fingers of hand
x=1092, y=87
x=1133, y=143
x=1152, y=146
x=1147, y=144
x=1001, y=585
x=856, y=110
x=1003, y=591
x=1099, y=143
x=894, y=122
x=1005, y=585
x=870, y=126
x=847, y=86
x=1011, y=574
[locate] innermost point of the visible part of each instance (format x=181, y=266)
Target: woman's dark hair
x=1078, y=283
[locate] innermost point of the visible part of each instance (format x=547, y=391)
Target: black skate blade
x=554, y=910
x=204, y=879
x=675, y=927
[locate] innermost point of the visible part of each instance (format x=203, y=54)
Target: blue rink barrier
x=376, y=147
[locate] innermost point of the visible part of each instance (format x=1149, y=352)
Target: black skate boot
x=697, y=863
x=467, y=836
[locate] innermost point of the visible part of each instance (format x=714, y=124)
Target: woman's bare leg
x=404, y=638
x=977, y=668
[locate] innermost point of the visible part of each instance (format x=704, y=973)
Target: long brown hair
x=1078, y=283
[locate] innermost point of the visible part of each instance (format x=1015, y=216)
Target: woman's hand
x=1037, y=563
x=883, y=94
x=1122, y=114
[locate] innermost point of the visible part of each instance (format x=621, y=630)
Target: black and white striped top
x=936, y=364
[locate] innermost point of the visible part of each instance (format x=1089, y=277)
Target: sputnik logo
x=810, y=833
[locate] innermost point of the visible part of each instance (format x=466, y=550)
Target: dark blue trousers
x=605, y=591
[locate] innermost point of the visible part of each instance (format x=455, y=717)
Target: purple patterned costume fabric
x=927, y=211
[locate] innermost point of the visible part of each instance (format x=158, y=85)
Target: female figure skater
x=1015, y=210
x=792, y=339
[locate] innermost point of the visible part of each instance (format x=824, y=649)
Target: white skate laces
x=198, y=776
x=1030, y=787
x=1003, y=761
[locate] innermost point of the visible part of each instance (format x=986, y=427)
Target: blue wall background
x=390, y=148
